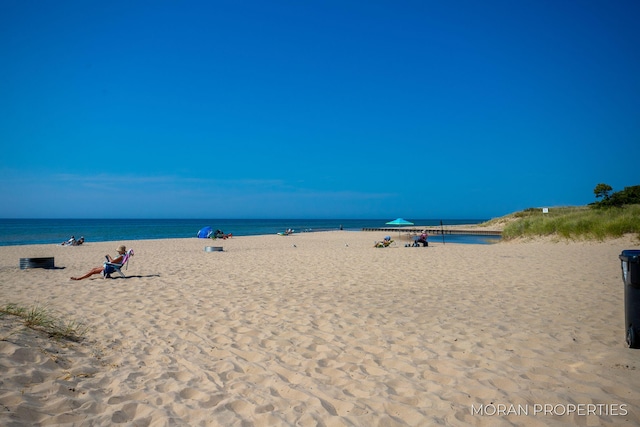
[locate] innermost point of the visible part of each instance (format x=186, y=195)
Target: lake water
x=39, y=231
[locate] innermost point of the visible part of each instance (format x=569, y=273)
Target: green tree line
x=608, y=198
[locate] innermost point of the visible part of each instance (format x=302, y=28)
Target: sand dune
x=328, y=332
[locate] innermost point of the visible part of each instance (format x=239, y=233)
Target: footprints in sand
x=302, y=348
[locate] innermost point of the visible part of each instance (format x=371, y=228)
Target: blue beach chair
x=112, y=267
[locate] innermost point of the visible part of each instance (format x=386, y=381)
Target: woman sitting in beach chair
x=384, y=243
x=111, y=265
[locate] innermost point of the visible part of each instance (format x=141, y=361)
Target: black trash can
x=630, y=263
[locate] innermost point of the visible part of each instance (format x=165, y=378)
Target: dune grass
x=41, y=318
x=580, y=222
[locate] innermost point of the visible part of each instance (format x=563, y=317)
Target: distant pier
x=435, y=231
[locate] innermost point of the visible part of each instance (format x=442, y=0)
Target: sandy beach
x=323, y=329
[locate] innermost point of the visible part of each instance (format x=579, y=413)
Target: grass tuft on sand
x=41, y=318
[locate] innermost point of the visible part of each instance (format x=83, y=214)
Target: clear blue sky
x=315, y=109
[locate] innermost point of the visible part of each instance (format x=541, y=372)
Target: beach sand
x=322, y=329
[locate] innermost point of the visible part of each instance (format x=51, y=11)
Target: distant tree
x=633, y=194
x=628, y=196
x=602, y=191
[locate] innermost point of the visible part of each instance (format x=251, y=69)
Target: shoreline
x=323, y=328
x=404, y=236
x=17, y=232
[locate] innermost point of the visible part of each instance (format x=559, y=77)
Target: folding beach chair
x=384, y=243
x=112, y=267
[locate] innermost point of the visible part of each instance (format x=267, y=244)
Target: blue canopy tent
x=205, y=232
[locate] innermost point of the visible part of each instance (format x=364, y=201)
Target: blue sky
x=315, y=109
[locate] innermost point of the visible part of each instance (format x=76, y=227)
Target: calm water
x=37, y=231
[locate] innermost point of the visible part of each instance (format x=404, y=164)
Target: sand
x=322, y=329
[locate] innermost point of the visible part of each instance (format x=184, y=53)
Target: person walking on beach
x=105, y=270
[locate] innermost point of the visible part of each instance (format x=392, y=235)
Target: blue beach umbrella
x=205, y=232
x=399, y=222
